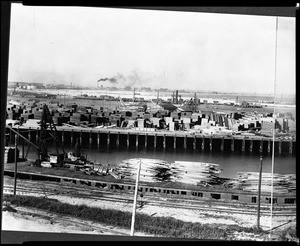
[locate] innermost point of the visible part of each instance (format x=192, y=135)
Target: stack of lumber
x=155, y=170
x=197, y=173
x=249, y=181
x=152, y=170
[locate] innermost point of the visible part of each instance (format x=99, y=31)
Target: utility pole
x=15, y=175
x=135, y=198
x=259, y=191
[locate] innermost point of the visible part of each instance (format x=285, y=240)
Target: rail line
x=48, y=189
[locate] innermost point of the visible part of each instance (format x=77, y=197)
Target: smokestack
x=176, y=97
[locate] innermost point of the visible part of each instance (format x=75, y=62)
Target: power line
x=273, y=145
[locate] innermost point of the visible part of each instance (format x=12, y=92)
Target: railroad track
x=48, y=189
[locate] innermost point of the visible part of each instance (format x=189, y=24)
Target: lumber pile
x=155, y=170
x=197, y=173
x=249, y=181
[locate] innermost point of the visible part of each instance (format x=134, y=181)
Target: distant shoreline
x=286, y=100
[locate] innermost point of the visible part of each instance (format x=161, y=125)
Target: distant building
x=25, y=85
x=146, y=89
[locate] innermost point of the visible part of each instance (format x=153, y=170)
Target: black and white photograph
x=150, y=124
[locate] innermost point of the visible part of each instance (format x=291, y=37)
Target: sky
x=147, y=48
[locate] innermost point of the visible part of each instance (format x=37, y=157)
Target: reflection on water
x=230, y=163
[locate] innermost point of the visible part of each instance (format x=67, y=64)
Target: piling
x=261, y=146
x=72, y=138
x=291, y=147
x=146, y=140
x=90, y=139
x=185, y=142
x=243, y=144
x=251, y=145
x=127, y=140
x=269, y=146
x=164, y=142
x=232, y=144
x=29, y=134
x=136, y=140
x=108, y=139
x=174, y=142
x=194, y=143
x=63, y=137
x=10, y=137
x=118, y=140
x=202, y=144
x=155, y=139
x=222, y=144
x=210, y=143
x=280, y=146
x=36, y=135
x=98, y=140
x=80, y=138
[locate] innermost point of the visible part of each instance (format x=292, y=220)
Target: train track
x=52, y=189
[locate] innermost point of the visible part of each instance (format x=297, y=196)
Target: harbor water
x=230, y=163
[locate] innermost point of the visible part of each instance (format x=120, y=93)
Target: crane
x=48, y=132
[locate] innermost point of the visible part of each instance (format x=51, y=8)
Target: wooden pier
x=149, y=139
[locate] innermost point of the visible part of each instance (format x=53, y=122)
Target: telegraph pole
x=135, y=199
x=259, y=191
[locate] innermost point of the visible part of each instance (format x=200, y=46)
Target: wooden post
x=261, y=146
x=127, y=140
x=259, y=191
x=10, y=136
x=185, y=142
x=63, y=136
x=108, y=139
x=135, y=199
x=98, y=140
x=155, y=139
x=80, y=138
x=164, y=141
x=203, y=142
x=16, y=161
x=146, y=140
x=90, y=138
x=137, y=141
x=118, y=140
x=29, y=133
x=36, y=135
x=194, y=143
x=222, y=144
x=269, y=146
x=251, y=144
x=232, y=144
x=280, y=146
x=72, y=138
x=174, y=142
x=243, y=144
x=291, y=147
x=210, y=143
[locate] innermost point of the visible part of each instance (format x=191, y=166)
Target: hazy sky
x=177, y=50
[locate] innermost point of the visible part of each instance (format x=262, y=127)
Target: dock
x=145, y=138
